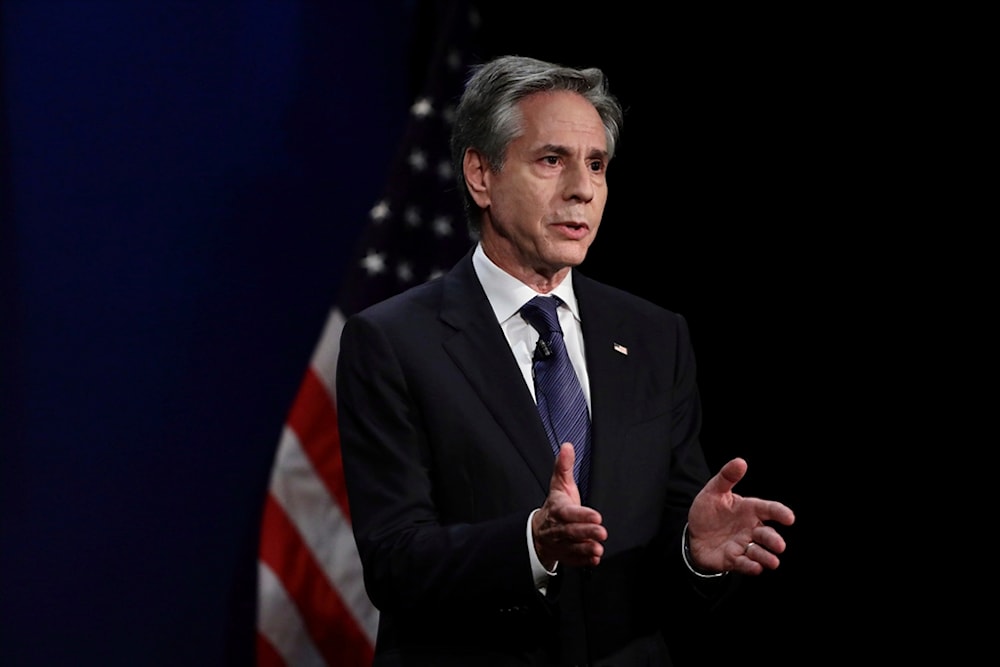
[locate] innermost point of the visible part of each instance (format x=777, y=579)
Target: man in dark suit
x=482, y=539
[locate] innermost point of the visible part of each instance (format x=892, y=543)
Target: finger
x=728, y=476
x=780, y=513
x=771, y=510
x=768, y=538
x=583, y=554
x=579, y=524
x=759, y=554
x=579, y=539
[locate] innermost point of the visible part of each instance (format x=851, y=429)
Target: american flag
x=312, y=609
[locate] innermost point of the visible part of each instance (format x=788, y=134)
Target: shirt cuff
x=538, y=571
x=686, y=555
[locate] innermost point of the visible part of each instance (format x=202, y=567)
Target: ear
x=476, y=172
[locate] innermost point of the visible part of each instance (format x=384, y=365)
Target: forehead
x=561, y=117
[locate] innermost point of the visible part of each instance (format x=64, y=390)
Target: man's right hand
x=564, y=531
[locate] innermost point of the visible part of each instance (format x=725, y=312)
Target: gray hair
x=488, y=119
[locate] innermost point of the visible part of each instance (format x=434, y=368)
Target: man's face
x=544, y=208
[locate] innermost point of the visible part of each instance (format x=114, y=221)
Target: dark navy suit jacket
x=445, y=456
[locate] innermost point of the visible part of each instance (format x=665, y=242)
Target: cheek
x=598, y=204
x=522, y=203
x=525, y=204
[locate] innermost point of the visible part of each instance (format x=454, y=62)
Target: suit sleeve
x=411, y=559
x=690, y=472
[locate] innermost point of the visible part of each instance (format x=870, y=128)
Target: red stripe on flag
x=331, y=625
x=313, y=417
x=267, y=656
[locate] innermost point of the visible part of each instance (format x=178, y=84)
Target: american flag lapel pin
x=621, y=349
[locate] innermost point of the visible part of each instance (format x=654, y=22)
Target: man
x=483, y=541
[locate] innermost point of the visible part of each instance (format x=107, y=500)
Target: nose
x=578, y=183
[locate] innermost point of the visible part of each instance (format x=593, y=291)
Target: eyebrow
x=562, y=150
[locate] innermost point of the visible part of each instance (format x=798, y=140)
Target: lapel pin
x=621, y=349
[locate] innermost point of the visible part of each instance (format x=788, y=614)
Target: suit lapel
x=481, y=351
x=611, y=372
x=479, y=348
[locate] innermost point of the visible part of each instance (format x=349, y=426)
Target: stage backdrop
x=182, y=184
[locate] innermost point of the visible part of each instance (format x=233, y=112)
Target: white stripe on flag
x=324, y=361
x=323, y=527
x=279, y=621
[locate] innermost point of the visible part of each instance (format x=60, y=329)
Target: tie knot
x=542, y=313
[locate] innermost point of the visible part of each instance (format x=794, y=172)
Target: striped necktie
x=560, y=399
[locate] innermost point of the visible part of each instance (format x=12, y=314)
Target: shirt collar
x=507, y=294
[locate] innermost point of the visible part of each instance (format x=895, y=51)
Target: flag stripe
x=311, y=478
x=267, y=655
x=314, y=418
x=282, y=638
x=330, y=624
x=320, y=527
x=324, y=360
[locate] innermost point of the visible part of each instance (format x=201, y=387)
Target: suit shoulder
x=627, y=303
x=403, y=305
x=423, y=300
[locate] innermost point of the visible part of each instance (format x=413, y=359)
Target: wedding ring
x=747, y=550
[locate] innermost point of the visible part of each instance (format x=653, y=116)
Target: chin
x=572, y=258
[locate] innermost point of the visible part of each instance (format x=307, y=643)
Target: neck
x=543, y=279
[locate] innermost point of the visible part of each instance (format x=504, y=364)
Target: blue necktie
x=560, y=399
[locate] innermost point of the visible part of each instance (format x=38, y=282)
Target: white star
x=404, y=272
x=418, y=160
x=412, y=216
x=442, y=225
x=422, y=108
x=444, y=170
x=373, y=263
x=380, y=211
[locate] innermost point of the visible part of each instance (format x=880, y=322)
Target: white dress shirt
x=506, y=295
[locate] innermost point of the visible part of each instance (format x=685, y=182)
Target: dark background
x=182, y=184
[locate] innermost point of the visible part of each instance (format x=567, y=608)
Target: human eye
x=596, y=166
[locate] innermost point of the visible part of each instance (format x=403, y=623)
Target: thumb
x=728, y=476
x=562, y=472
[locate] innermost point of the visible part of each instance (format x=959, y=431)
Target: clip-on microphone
x=542, y=350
